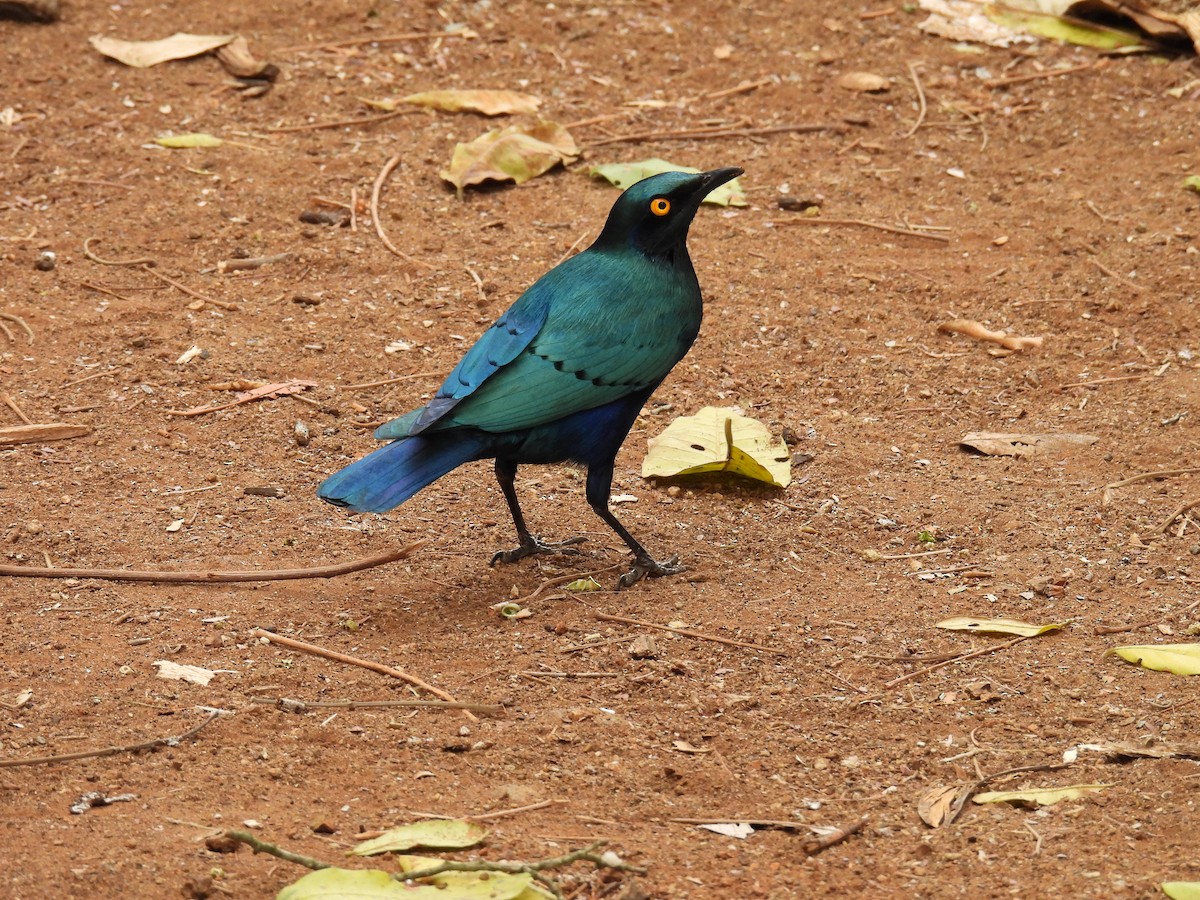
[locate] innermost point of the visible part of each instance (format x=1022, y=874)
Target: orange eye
x=660, y=206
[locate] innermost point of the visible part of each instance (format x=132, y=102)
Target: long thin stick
x=187, y=290
x=817, y=845
x=1162, y=529
x=302, y=705
x=258, y=846
x=1110, y=380
x=380, y=39
x=108, y=751
x=954, y=659
x=1150, y=476
x=921, y=108
x=343, y=123
x=821, y=220
x=140, y=261
x=376, y=190
x=1034, y=76
x=17, y=320
x=331, y=571
x=605, y=617
x=702, y=134
x=371, y=384
x=294, y=644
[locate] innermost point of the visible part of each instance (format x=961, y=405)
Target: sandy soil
x=1062, y=203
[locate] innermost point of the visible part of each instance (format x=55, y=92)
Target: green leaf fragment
x=1191, y=183
x=436, y=834
x=1178, y=659
x=583, y=584
x=353, y=884
x=1061, y=28
x=625, y=174
x=998, y=626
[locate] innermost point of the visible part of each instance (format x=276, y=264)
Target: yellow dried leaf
x=718, y=439
x=490, y=103
x=438, y=834
x=625, y=174
x=997, y=626
x=584, y=584
x=1040, y=796
x=516, y=153
x=184, y=141
x=1182, y=890
x=1178, y=659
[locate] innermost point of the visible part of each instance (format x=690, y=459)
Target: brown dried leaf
x=143, y=54
x=516, y=153
x=490, y=103
x=941, y=805
x=995, y=443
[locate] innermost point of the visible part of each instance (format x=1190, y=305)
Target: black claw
x=645, y=567
x=531, y=546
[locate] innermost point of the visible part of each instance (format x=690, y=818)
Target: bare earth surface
x=1063, y=204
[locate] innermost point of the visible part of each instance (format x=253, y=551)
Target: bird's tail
x=393, y=473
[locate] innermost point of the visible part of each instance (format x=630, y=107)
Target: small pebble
x=46, y=261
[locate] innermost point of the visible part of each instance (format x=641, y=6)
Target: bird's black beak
x=709, y=181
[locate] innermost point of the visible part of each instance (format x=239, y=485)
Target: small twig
x=744, y=88
x=254, y=262
x=863, y=223
x=380, y=39
x=17, y=320
x=605, y=617
x=258, y=846
x=1111, y=380
x=587, y=854
x=575, y=648
x=89, y=378
x=140, y=261
x=1161, y=529
x=563, y=579
x=1101, y=216
x=342, y=123
x=963, y=658
x=103, y=290
x=1150, y=476
x=980, y=332
x=1034, y=76
x=313, y=649
x=1121, y=278
x=11, y=435
x=819, y=844
x=1121, y=629
x=376, y=190
x=353, y=208
x=12, y=404
x=717, y=131
x=921, y=109
x=300, y=706
x=109, y=751
x=331, y=571
x=515, y=811
x=260, y=392
x=371, y=384
x=187, y=290
x=913, y=555
x=579, y=240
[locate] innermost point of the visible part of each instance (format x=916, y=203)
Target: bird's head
x=653, y=215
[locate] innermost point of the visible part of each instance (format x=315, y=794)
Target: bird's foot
x=530, y=546
x=645, y=567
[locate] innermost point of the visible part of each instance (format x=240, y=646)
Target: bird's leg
x=506, y=474
x=599, y=487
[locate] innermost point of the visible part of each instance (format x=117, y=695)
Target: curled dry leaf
x=516, y=153
x=143, y=54
x=941, y=805
x=490, y=103
x=995, y=443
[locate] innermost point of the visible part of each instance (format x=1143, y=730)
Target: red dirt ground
x=1069, y=221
